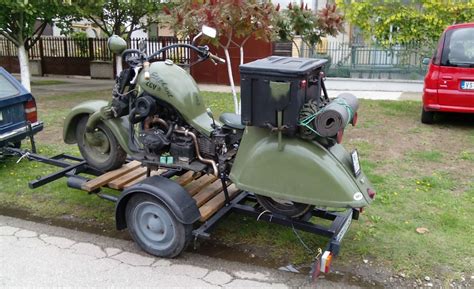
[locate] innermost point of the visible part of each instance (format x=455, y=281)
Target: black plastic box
x=277, y=84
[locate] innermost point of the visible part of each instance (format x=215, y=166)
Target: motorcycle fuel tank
x=172, y=84
x=304, y=171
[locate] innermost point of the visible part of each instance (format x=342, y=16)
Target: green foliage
x=18, y=18
x=310, y=25
x=122, y=17
x=396, y=22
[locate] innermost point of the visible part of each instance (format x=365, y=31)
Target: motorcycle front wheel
x=283, y=207
x=106, y=154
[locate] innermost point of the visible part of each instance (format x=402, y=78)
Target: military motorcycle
x=284, y=146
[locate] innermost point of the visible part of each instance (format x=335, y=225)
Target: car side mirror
x=426, y=60
x=116, y=44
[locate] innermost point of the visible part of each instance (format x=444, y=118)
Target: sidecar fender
x=303, y=171
x=118, y=126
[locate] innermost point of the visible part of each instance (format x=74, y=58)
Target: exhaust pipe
x=196, y=145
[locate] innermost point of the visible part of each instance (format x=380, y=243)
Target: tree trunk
x=118, y=64
x=231, y=80
x=24, y=67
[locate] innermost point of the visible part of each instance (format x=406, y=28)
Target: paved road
x=38, y=255
x=362, y=88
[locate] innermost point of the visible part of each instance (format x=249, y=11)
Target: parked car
x=17, y=112
x=449, y=82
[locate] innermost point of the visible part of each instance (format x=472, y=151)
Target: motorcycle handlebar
x=174, y=46
x=204, y=52
x=216, y=58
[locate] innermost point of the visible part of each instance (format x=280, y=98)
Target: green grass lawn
x=47, y=82
x=423, y=176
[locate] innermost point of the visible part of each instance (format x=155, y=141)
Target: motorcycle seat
x=232, y=120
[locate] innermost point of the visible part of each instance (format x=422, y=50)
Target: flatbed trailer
x=214, y=197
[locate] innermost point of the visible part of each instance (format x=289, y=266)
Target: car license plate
x=467, y=85
x=355, y=162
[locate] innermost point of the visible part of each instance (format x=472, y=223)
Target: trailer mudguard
x=172, y=195
x=303, y=171
x=118, y=126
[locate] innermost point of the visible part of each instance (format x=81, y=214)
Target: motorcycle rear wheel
x=105, y=157
x=283, y=207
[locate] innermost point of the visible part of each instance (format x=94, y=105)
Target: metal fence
x=370, y=61
x=92, y=48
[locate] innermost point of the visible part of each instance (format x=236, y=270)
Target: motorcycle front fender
x=118, y=126
x=303, y=171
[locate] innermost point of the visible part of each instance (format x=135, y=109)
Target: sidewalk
x=38, y=255
x=362, y=88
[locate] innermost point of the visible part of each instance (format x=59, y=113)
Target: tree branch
x=32, y=39
x=101, y=25
x=7, y=36
x=41, y=27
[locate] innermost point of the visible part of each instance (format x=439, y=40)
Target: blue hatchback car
x=17, y=112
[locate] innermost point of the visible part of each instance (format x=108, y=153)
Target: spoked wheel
x=105, y=153
x=154, y=227
x=283, y=207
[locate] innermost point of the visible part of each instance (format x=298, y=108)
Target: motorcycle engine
x=182, y=148
x=154, y=141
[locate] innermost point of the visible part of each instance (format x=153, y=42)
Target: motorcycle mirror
x=116, y=44
x=209, y=31
x=196, y=37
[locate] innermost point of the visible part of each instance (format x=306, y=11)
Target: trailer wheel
x=283, y=207
x=106, y=156
x=154, y=227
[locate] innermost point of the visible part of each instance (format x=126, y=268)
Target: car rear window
x=7, y=88
x=459, y=48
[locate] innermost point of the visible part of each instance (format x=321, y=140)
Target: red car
x=449, y=82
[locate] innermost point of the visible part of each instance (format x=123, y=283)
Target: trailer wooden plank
x=195, y=186
x=208, y=192
x=107, y=177
x=119, y=182
x=141, y=178
x=186, y=178
x=208, y=209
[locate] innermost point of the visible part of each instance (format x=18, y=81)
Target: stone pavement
x=38, y=255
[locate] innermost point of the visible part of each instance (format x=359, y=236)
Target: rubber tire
x=427, y=117
x=293, y=211
x=117, y=155
x=182, y=233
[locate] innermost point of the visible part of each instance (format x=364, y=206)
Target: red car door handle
x=447, y=77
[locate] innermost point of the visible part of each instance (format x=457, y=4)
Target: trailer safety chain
x=301, y=240
x=262, y=213
x=25, y=155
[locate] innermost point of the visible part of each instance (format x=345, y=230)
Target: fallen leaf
x=422, y=230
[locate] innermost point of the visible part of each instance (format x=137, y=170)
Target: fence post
x=163, y=44
x=65, y=47
x=353, y=55
x=41, y=55
x=91, y=48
